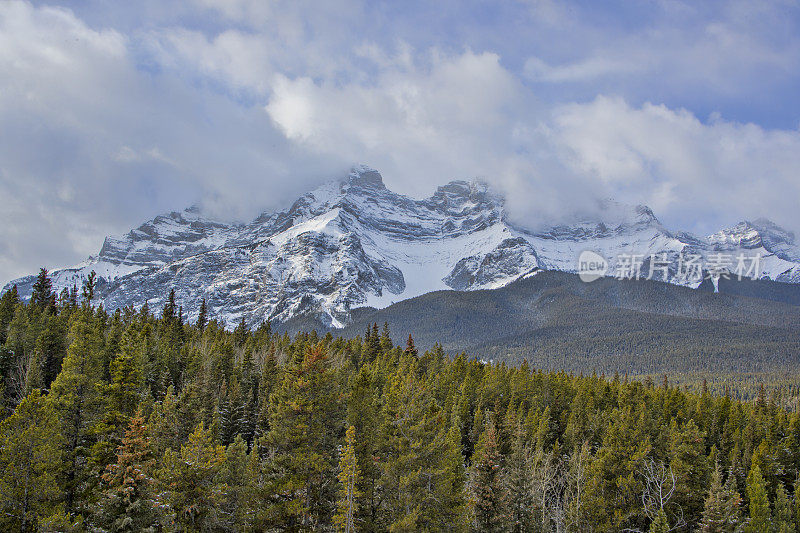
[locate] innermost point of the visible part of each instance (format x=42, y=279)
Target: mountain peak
x=461, y=188
x=352, y=242
x=366, y=177
x=757, y=233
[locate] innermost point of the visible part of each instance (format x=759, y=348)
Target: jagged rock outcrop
x=353, y=242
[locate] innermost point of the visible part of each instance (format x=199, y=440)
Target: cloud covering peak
x=112, y=113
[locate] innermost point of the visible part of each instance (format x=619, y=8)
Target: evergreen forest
x=139, y=420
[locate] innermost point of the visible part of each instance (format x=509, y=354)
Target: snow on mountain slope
x=353, y=242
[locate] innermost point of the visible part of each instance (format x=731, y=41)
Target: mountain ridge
x=353, y=243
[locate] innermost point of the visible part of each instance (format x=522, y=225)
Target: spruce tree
x=168, y=314
x=42, y=290
x=78, y=403
x=386, y=339
x=127, y=500
x=240, y=333
x=231, y=413
x=372, y=344
x=30, y=460
x=721, y=513
x=490, y=502
x=304, y=419
x=89, y=286
x=202, y=317
x=192, y=489
x=783, y=515
x=759, y=519
x=8, y=303
x=50, y=351
x=519, y=482
x=348, y=476
x=410, y=348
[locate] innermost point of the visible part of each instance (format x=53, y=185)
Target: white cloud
x=688, y=171
x=241, y=60
x=452, y=116
x=583, y=70
x=91, y=145
x=243, y=104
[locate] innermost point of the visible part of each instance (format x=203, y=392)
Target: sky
x=113, y=112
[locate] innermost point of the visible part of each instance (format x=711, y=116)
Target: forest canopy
x=137, y=420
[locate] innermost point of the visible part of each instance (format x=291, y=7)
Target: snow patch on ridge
x=352, y=242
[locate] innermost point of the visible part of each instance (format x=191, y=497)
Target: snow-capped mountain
x=352, y=243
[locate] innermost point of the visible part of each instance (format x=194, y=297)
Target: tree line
x=139, y=421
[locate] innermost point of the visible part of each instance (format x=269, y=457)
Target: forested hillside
x=135, y=420
x=557, y=322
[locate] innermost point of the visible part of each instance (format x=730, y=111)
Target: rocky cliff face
x=352, y=242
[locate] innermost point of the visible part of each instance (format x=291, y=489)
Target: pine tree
x=8, y=303
x=783, y=516
x=421, y=482
x=123, y=393
x=347, y=502
x=363, y=412
x=236, y=506
x=759, y=504
x=690, y=465
x=519, y=482
x=721, y=513
x=304, y=419
x=451, y=494
x=613, y=491
x=170, y=308
x=30, y=459
x=193, y=492
x=77, y=401
x=127, y=499
x=489, y=497
x=89, y=286
x=410, y=348
x=165, y=424
x=42, y=290
x=797, y=503
x=202, y=317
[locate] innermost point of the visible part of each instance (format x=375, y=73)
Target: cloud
x=114, y=113
x=692, y=173
x=92, y=145
x=737, y=58
x=440, y=118
x=411, y=121
x=240, y=59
